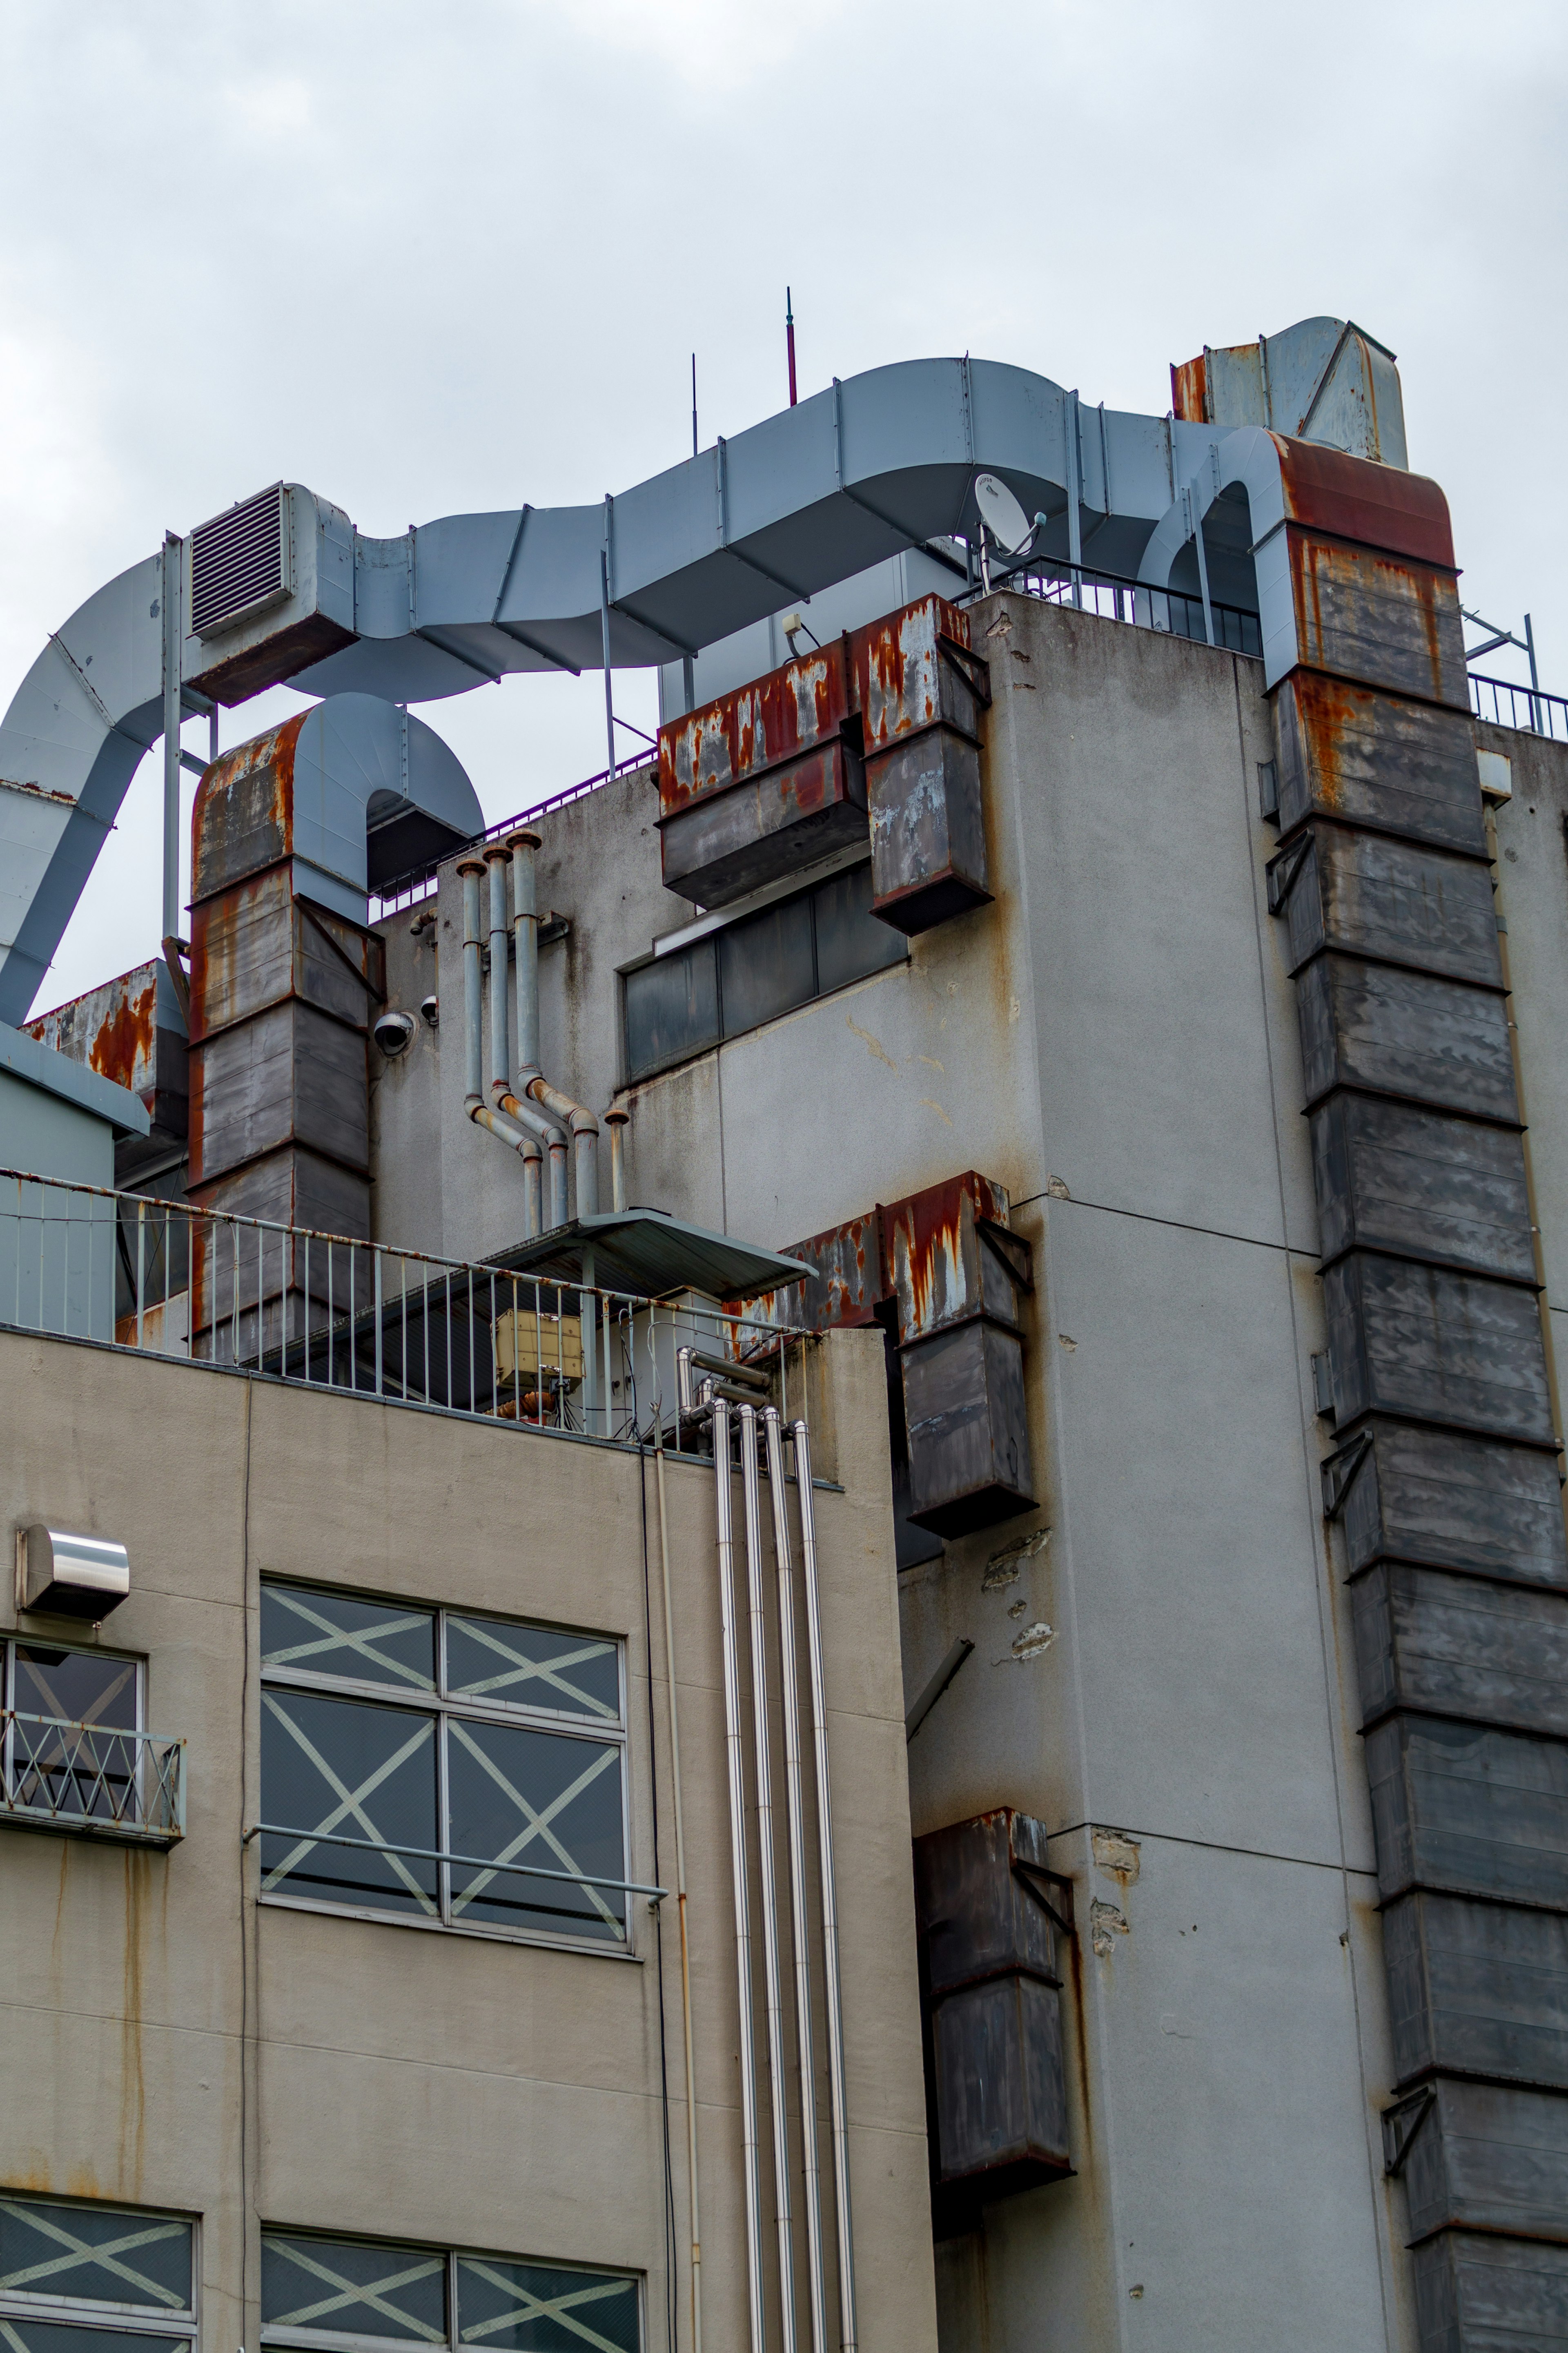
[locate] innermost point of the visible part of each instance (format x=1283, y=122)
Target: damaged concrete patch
x=1004, y=1567
x=1106, y=1922
x=1032, y=1640
x=1117, y=1853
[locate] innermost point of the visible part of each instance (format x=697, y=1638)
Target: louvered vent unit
x=239, y=563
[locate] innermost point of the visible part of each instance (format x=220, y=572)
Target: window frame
x=129, y=2319
x=277, y=2335
x=440, y=1706
x=705, y=934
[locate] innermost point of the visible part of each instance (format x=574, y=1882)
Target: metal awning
x=649, y=1254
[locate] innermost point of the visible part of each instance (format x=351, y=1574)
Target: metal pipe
x=472, y=871
x=498, y=859
x=681, y=1894
x=750, y=2152
x=764, y=1800
x=616, y=1121
x=837, y=2101
x=173, y=639
x=524, y=846
x=529, y=1115
x=794, y=1815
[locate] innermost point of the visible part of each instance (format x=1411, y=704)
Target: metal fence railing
x=90, y=1777
x=325, y=1312
x=409, y=890
x=1526, y=708
x=1169, y=610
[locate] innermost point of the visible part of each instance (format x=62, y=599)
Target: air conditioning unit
x=268, y=589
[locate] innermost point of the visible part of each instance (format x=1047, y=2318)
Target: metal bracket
x=972, y=668
x=1026, y=1874
x=363, y=978
x=1338, y=1471
x=1017, y=1254
x=1282, y=869
x=1401, y=2122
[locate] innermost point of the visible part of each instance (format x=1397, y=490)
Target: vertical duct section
x=1445, y=1477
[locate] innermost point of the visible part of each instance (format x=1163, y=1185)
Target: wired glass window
x=439, y=1766
x=77, y=2278
x=751, y=971
x=59, y=1754
x=319, y=2292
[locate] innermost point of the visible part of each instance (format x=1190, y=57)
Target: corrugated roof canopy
x=648, y=1253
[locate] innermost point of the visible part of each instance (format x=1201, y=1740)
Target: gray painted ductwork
x=861, y=473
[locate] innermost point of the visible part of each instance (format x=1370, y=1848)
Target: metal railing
x=1112, y=597
x=419, y=884
x=322, y=1311
x=100, y=1782
x=1527, y=708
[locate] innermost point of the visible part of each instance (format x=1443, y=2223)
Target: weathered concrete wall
x=398, y=2080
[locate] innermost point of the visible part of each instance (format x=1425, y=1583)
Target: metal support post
x=173, y=638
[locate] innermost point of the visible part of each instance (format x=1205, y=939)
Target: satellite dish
x=1003, y=516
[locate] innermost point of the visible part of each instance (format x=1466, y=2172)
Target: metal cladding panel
x=290, y=1076
x=906, y=675
x=1436, y=1345
x=793, y=709
x=1406, y=1034
x=244, y=815
x=1001, y=2088
x=1376, y=759
x=234, y=1267
x=968, y=1425
x=1476, y=2293
x=1378, y=620
x=720, y=846
x=947, y=1256
x=1353, y=498
x=295, y=1188
x=976, y=1908
x=1491, y=2159
x=1448, y=1502
x=1400, y=902
x=1464, y=1807
x=928, y=831
x=846, y=1284
x=1477, y=1988
x=1451, y=1192
x=114, y=1031
x=1461, y=1646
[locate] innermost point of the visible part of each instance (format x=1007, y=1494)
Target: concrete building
x=1055, y=964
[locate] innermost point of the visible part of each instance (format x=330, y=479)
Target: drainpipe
x=521, y=847
x=531, y=1082
x=616, y=1121
x=472, y=870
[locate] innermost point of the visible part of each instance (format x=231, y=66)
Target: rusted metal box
x=1477, y=1988
x=1474, y=2290
x=1376, y=759
x=131, y=1030
x=1468, y=1808
x=1489, y=2157
x=762, y=782
x=1406, y=1034
x=922, y=693
x=1432, y=1496
x=990, y=1916
x=1389, y=1176
x=1372, y=894
x=1461, y=1645
x=1433, y=1344
x=1385, y=620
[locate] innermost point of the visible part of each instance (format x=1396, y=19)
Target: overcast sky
x=433, y=260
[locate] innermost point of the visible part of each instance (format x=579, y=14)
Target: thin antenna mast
x=789, y=343
x=694, y=403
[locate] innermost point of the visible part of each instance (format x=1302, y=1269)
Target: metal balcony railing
x=320, y=1311
x=1528, y=708
x=99, y=1782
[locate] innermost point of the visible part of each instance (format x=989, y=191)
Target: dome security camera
x=430, y=1011
x=393, y=1032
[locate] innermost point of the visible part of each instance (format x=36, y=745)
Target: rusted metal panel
x=978, y=1889
x=793, y=709
x=289, y=1187
x=113, y=1029
x=1376, y=759
x=1374, y=506
x=967, y=1416
x=1489, y=2157
x=1372, y=894
x=912, y=669
x=948, y=1255
x=928, y=831
x=1189, y=389
x=1376, y=619
x=1450, y=1191
x=1474, y=1505
x=1469, y=1808
x=287, y=651
x=722, y=845
x=1475, y=2292
x=290, y=1075
x=242, y=952
x=1433, y=1344
x=1463, y=1646
x=844, y=1290
x=1477, y=1988
x=244, y=815
x=1404, y=1034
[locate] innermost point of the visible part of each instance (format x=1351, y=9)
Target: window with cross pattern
x=323, y=2294
x=78, y=2278
x=439, y=1765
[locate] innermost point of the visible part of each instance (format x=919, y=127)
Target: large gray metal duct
x=879, y=464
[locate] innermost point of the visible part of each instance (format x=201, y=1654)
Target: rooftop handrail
x=1543, y=714
x=418, y=882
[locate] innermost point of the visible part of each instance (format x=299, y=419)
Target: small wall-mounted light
x=69, y=1576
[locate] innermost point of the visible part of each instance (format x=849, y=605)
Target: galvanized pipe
x=794, y=1815
x=616, y=1121
x=772, y=1976
x=838, y=2100
x=523, y=846
x=680, y=1892
x=498, y=859
x=496, y=1124
x=750, y=2152
x=173, y=712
